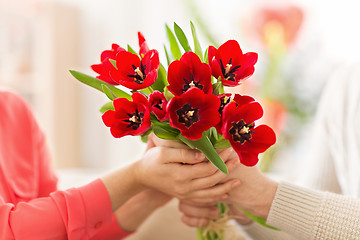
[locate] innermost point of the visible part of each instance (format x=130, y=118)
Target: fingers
x=176, y=155
x=198, y=211
x=194, y=221
x=200, y=170
x=213, y=194
x=215, y=178
x=225, y=154
x=205, y=169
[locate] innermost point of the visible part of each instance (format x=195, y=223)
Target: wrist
x=137, y=176
x=121, y=186
x=266, y=197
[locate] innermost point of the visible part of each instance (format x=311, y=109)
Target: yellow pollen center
x=227, y=69
x=190, y=113
x=192, y=84
x=133, y=119
x=225, y=99
x=138, y=72
x=244, y=130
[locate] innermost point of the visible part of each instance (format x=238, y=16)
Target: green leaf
x=113, y=62
x=204, y=145
x=174, y=46
x=144, y=137
x=197, y=46
x=161, y=81
x=130, y=49
x=216, y=88
x=206, y=57
x=168, y=58
x=182, y=38
x=97, y=84
x=259, y=220
x=164, y=130
x=144, y=91
x=213, y=135
x=168, y=95
x=222, y=143
x=106, y=107
x=108, y=92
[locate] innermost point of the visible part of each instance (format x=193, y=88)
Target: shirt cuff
x=113, y=231
x=294, y=209
x=98, y=209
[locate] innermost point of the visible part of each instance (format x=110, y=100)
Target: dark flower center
x=135, y=119
x=191, y=83
x=229, y=71
x=223, y=102
x=159, y=104
x=188, y=115
x=139, y=75
x=241, y=131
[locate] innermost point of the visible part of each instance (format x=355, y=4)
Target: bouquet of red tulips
x=187, y=101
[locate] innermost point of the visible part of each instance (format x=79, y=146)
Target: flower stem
x=199, y=234
x=150, y=89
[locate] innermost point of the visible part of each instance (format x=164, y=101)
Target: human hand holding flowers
x=254, y=194
x=183, y=172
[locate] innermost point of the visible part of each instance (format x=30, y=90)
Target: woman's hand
x=255, y=192
x=183, y=173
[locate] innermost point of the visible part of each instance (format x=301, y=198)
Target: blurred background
x=300, y=44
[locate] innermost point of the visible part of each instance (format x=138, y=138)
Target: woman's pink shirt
x=31, y=207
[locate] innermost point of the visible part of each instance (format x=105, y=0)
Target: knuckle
x=181, y=191
x=183, y=155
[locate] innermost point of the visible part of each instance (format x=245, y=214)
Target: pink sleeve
x=78, y=213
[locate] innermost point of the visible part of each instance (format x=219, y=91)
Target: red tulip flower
x=193, y=112
x=189, y=72
x=241, y=100
x=158, y=104
x=246, y=139
x=225, y=99
x=106, y=66
x=229, y=63
x=129, y=117
x=144, y=48
x=135, y=73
